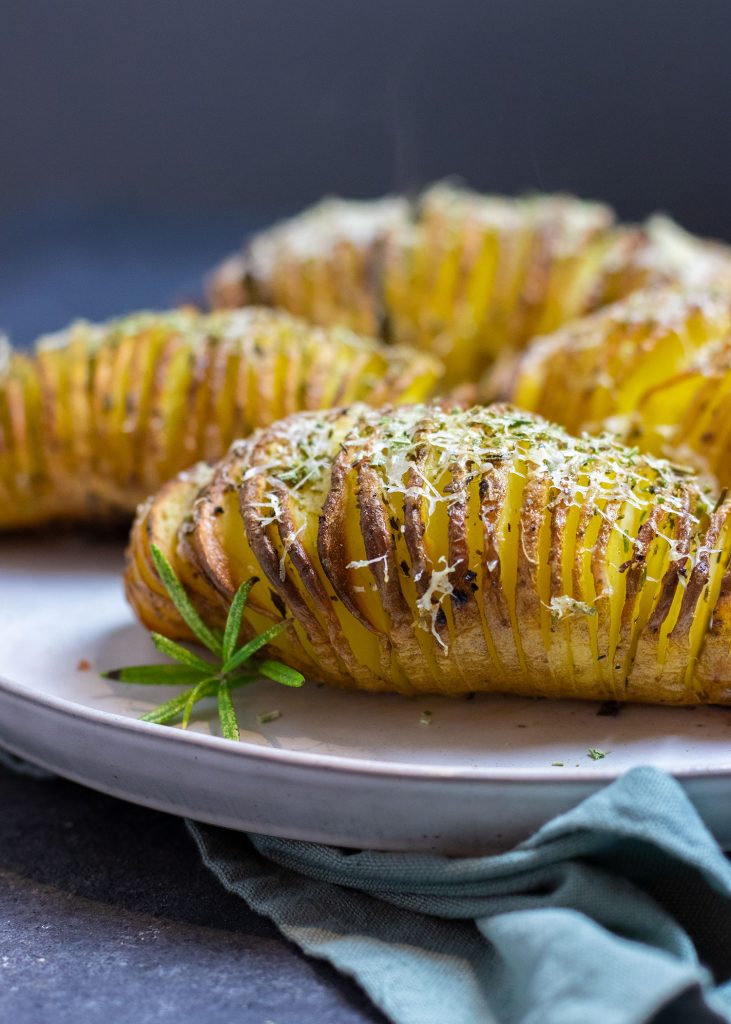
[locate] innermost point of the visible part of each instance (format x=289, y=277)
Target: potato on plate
x=654, y=368
x=437, y=549
x=100, y=415
x=463, y=275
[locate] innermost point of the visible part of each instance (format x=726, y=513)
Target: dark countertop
x=108, y=915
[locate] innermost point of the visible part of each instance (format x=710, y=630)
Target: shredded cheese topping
x=411, y=448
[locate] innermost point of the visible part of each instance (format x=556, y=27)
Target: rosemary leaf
x=206, y=678
x=233, y=622
x=152, y=675
x=226, y=712
x=176, y=706
x=281, y=673
x=245, y=652
x=182, y=602
x=181, y=654
x=196, y=694
x=166, y=712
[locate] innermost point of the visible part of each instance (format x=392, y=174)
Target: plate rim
x=358, y=766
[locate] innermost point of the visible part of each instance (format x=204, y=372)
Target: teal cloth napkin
x=609, y=914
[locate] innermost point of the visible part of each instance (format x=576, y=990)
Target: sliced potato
x=465, y=276
x=654, y=368
x=433, y=549
x=103, y=414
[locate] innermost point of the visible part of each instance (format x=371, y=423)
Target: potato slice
x=437, y=549
x=463, y=275
x=654, y=369
x=103, y=414
x=158, y=522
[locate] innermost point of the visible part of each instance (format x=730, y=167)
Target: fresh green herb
x=230, y=669
x=279, y=673
x=268, y=716
x=208, y=637
x=226, y=712
x=557, y=764
x=595, y=755
x=426, y=717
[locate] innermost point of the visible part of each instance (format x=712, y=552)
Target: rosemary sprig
x=203, y=678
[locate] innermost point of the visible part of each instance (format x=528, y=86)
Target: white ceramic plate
x=345, y=768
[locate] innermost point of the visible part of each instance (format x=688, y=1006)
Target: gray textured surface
x=108, y=916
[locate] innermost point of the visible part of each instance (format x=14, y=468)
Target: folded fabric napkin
x=610, y=913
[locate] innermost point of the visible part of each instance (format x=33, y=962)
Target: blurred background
x=142, y=140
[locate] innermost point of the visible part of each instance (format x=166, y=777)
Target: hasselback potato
x=100, y=415
x=654, y=368
x=460, y=274
x=433, y=549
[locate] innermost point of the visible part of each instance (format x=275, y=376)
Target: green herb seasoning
x=230, y=669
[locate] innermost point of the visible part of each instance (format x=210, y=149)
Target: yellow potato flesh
x=103, y=414
x=437, y=550
x=462, y=275
x=655, y=369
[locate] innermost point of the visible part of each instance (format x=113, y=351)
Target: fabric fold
x=598, y=916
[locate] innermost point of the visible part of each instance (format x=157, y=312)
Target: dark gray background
x=140, y=139
x=229, y=103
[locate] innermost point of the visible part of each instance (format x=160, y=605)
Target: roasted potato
x=433, y=549
x=654, y=368
x=323, y=265
x=459, y=274
x=100, y=415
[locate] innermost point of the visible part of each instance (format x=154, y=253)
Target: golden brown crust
x=654, y=368
x=465, y=276
x=102, y=415
x=432, y=549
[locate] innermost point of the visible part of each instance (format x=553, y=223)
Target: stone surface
x=107, y=914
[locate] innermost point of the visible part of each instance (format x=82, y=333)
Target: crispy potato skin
x=654, y=368
x=438, y=549
x=101, y=415
x=462, y=275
